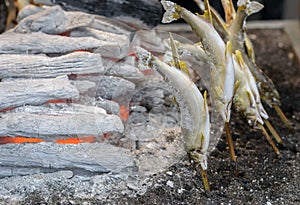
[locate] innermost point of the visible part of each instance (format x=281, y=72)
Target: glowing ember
x=124, y=112
x=73, y=140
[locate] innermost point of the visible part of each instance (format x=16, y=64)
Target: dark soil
x=263, y=177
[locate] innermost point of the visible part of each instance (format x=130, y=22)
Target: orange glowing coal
x=124, y=112
x=20, y=140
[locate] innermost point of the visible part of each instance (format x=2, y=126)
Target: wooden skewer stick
x=282, y=116
x=205, y=179
x=230, y=142
x=273, y=131
x=269, y=139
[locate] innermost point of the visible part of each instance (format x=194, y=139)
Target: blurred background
x=273, y=10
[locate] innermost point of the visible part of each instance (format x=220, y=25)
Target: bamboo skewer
x=204, y=179
x=273, y=131
x=282, y=116
x=230, y=142
x=267, y=136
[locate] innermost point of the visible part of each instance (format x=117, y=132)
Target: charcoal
x=111, y=107
x=53, y=20
x=115, y=88
x=112, y=26
x=59, y=108
x=127, y=72
x=27, y=11
x=100, y=35
x=142, y=13
x=38, y=42
x=39, y=66
x=93, y=158
x=84, y=87
x=35, y=92
x=137, y=108
x=49, y=126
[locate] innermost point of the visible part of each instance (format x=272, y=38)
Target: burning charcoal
x=125, y=68
x=115, y=88
x=48, y=126
x=100, y=35
x=27, y=11
x=53, y=20
x=153, y=94
x=143, y=13
x=35, y=92
x=34, y=43
x=127, y=72
x=137, y=108
x=39, y=66
x=111, y=107
x=59, y=108
x=86, y=158
x=84, y=87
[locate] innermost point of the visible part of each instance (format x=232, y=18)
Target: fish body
x=222, y=72
x=240, y=41
x=194, y=110
x=244, y=98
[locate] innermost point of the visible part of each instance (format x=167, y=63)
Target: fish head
x=197, y=157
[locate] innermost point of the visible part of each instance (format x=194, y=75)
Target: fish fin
x=177, y=62
x=145, y=59
x=205, y=100
x=236, y=85
x=207, y=11
x=229, y=10
x=250, y=7
x=174, y=51
x=239, y=57
x=171, y=14
x=228, y=49
x=249, y=48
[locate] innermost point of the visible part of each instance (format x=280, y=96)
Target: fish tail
x=250, y=7
x=145, y=59
x=171, y=14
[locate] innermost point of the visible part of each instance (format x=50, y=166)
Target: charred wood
x=35, y=92
x=53, y=20
x=139, y=13
x=49, y=126
x=27, y=11
x=59, y=109
x=124, y=69
x=111, y=107
x=115, y=88
x=35, y=43
x=93, y=158
x=39, y=66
